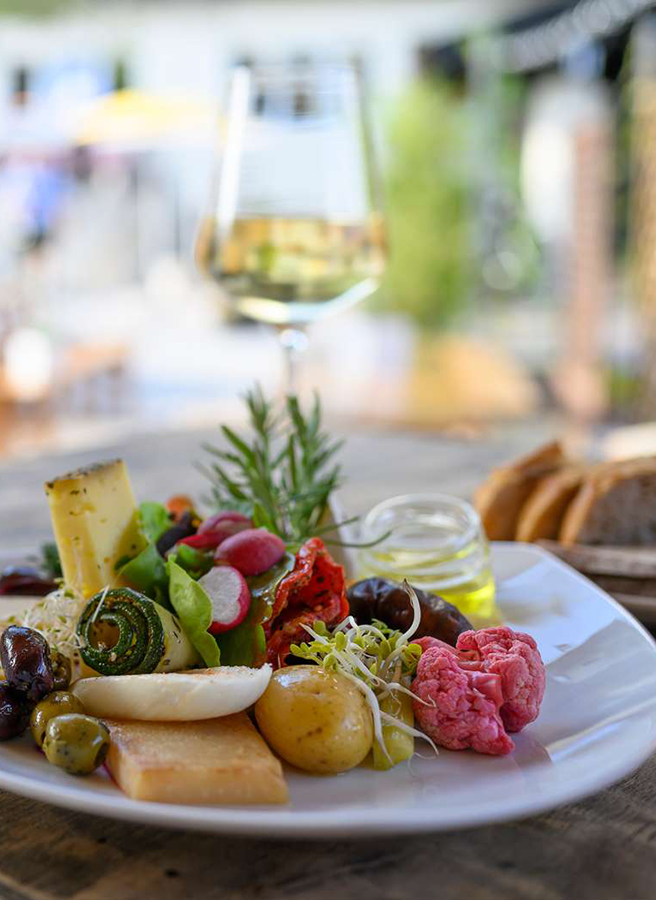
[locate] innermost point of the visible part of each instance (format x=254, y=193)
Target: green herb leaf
x=284, y=476
x=194, y=609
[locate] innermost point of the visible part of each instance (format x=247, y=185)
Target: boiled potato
x=316, y=720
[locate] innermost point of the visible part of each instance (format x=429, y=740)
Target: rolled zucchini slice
x=122, y=632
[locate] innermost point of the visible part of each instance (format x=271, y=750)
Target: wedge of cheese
x=94, y=519
x=215, y=762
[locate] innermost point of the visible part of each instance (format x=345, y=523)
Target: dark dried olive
x=377, y=598
x=25, y=658
x=15, y=711
x=25, y=580
x=183, y=528
x=61, y=670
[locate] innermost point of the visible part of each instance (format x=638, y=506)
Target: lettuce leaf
x=147, y=573
x=194, y=609
x=195, y=562
x=154, y=520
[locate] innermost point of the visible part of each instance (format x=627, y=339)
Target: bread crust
x=500, y=499
x=613, y=506
x=542, y=514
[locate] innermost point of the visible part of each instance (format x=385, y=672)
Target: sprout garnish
x=55, y=617
x=377, y=659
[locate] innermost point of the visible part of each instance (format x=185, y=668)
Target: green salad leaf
x=194, y=609
x=195, y=562
x=154, y=520
x=244, y=645
x=264, y=587
x=147, y=573
x=50, y=561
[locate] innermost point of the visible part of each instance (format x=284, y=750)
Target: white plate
x=597, y=724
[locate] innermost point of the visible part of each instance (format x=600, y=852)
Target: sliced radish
x=230, y=597
x=252, y=551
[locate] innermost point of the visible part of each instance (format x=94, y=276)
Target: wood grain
x=626, y=562
x=601, y=849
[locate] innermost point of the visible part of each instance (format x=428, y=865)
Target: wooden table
x=603, y=848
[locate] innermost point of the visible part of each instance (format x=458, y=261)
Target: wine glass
x=295, y=229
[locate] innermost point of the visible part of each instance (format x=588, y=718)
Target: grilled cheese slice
x=216, y=762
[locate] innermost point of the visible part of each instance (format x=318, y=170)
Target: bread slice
x=541, y=516
x=214, y=762
x=500, y=499
x=616, y=504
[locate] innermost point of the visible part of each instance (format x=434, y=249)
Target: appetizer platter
x=215, y=667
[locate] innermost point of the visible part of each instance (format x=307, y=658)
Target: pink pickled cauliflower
x=491, y=681
x=515, y=658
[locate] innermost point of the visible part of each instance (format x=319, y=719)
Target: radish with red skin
x=252, y=551
x=207, y=541
x=229, y=595
x=228, y=521
x=215, y=529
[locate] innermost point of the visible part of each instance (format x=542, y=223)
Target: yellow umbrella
x=136, y=117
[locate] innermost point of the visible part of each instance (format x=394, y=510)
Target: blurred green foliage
x=429, y=274
x=32, y=7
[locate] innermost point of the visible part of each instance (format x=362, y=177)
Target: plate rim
x=279, y=822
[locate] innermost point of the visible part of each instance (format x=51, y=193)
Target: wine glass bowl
x=295, y=229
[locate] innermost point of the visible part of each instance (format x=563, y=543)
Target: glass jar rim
x=437, y=501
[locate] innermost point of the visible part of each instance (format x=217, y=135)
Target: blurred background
x=517, y=145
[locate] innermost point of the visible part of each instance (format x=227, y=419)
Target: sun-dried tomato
x=314, y=591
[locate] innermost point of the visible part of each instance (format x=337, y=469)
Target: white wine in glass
x=295, y=230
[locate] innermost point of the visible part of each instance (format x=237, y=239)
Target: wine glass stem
x=293, y=341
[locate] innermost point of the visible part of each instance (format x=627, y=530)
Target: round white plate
x=597, y=724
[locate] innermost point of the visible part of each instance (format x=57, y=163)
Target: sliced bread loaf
x=616, y=504
x=541, y=516
x=499, y=500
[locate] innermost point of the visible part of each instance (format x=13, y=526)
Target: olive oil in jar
x=437, y=543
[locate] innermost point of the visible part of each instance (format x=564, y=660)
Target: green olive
x=56, y=704
x=76, y=743
x=61, y=669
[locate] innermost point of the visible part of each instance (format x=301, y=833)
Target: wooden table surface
x=603, y=848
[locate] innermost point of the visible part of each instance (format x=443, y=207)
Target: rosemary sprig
x=284, y=476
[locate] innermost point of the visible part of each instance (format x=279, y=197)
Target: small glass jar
x=438, y=544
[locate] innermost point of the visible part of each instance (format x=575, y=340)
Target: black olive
x=183, y=528
x=377, y=598
x=25, y=580
x=15, y=711
x=25, y=658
